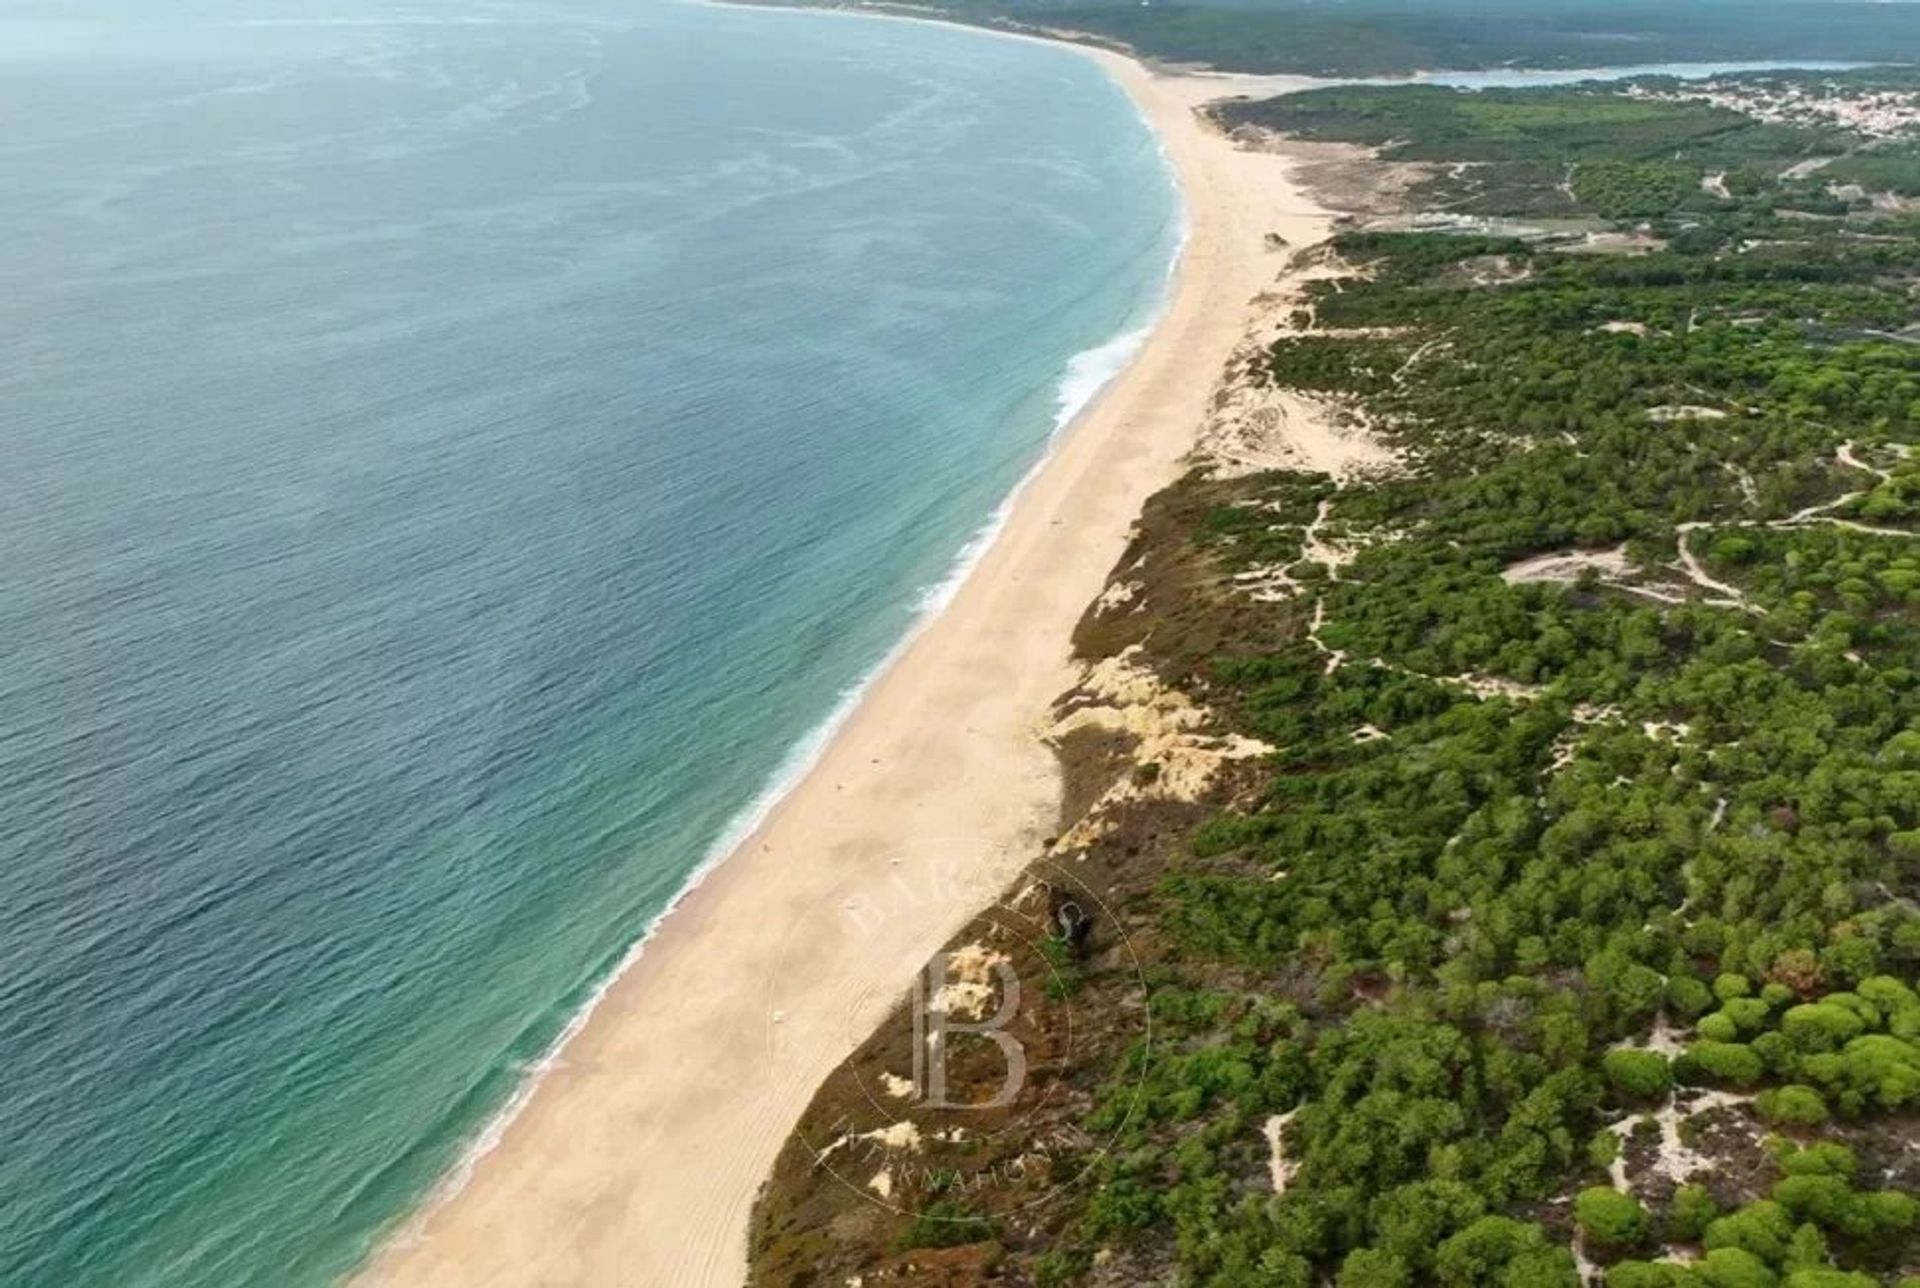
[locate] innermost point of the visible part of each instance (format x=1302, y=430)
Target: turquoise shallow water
x=454, y=455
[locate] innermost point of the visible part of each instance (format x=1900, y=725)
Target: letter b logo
x=935, y=1004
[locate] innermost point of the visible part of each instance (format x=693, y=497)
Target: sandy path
x=637, y=1159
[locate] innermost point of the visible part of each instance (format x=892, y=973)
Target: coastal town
x=1876, y=112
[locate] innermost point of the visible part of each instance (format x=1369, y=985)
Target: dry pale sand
x=637, y=1159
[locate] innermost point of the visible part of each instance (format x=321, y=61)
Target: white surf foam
x=1087, y=374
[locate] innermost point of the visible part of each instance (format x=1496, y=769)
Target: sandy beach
x=637, y=1158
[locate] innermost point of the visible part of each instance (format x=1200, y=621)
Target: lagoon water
x=457, y=454
x=1526, y=78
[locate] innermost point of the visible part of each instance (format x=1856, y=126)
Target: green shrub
x=1824, y=1200
x=1688, y=995
x=1729, y=1062
x=1820, y=1026
x=1119, y=1205
x=1734, y=1268
x=1645, y=1074
x=1868, y=1013
x=1808, y=1249
x=1889, y=994
x=1498, y=1250
x=1650, y=1274
x=1610, y=1219
x=1827, y=1277
x=1410, y=1221
x=1776, y=1052
x=1749, y=1014
x=1875, y=1071
x=1822, y=1158
x=1762, y=1228
x=1836, y=1206
x=945, y=1224
x=1793, y=1105
x=1692, y=1212
x=1728, y=987
x=1882, y=1213
x=1373, y=1268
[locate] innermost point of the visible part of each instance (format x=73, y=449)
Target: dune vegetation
x=1564, y=930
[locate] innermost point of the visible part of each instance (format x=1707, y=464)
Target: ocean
x=459, y=460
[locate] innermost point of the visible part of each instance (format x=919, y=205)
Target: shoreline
x=799, y=761
x=932, y=787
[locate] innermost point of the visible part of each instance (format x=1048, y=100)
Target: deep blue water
x=454, y=452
